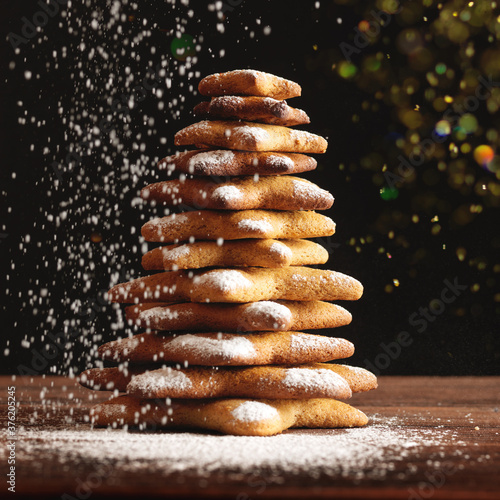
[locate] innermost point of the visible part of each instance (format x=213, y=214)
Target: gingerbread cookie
x=254, y=316
x=252, y=109
x=244, y=417
x=315, y=380
x=270, y=382
x=230, y=349
x=223, y=162
x=319, y=380
x=248, y=82
x=272, y=192
x=248, y=284
x=248, y=136
x=235, y=253
x=236, y=225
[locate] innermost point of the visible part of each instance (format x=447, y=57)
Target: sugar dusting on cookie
x=155, y=314
x=250, y=133
x=310, y=379
x=309, y=192
x=255, y=226
x=254, y=411
x=170, y=221
x=227, y=193
x=269, y=313
x=206, y=347
x=304, y=342
x=175, y=253
x=281, y=249
x=224, y=280
x=281, y=162
x=217, y=159
x=165, y=378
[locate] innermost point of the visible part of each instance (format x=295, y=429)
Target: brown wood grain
x=468, y=406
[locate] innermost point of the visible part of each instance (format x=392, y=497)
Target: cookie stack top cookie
x=224, y=316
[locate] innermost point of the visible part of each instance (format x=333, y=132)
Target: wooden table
x=429, y=437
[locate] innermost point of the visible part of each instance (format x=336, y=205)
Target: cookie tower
x=223, y=347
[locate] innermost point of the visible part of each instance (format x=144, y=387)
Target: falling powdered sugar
x=206, y=347
x=254, y=411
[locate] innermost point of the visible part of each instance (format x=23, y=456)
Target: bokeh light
x=483, y=155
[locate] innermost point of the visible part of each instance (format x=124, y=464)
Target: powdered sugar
x=368, y=452
x=302, y=342
x=254, y=411
x=267, y=312
x=176, y=253
x=255, y=226
x=227, y=100
x=227, y=193
x=166, y=378
x=281, y=161
x=170, y=221
x=224, y=280
x=281, y=249
x=216, y=77
x=211, y=160
x=308, y=192
x=202, y=126
x=162, y=313
x=309, y=379
x=249, y=133
x=226, y=348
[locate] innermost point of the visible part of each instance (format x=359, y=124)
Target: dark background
x=66, y=238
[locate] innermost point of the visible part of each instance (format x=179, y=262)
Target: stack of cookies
x=223, y=347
